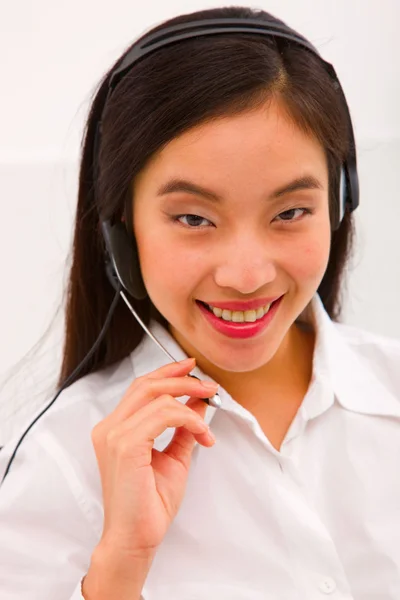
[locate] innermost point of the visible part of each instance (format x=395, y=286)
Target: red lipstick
x=239, y=330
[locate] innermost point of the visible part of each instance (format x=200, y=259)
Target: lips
x=240, y=330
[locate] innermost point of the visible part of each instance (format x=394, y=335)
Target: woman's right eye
x=192, y=220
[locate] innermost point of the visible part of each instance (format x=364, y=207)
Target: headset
x=121, y=256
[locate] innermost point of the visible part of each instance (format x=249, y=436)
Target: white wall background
x=53, y=54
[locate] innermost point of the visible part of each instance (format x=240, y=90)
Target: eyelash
x=306, y=211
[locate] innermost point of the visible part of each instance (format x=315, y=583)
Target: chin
x=240, y=361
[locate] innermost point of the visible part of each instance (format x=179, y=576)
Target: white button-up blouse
x=318, y=519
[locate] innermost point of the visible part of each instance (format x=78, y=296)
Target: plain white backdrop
x=52, y=57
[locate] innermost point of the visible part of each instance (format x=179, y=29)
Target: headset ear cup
x=123, y=255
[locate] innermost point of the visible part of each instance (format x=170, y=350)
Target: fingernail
x=210, y=385
x=186, y=361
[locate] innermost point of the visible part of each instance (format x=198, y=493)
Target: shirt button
x=327, y=585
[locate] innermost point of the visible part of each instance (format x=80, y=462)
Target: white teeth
x=238, y=316
x=251, y=315
x=260, y=312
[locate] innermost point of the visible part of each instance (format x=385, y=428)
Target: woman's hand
x=142, y=487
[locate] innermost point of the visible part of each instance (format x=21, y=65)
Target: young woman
x=222, y=157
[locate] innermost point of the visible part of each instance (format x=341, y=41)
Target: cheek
x=169, y=270
x=310, y=260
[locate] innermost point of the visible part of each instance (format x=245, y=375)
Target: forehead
x=263, y=145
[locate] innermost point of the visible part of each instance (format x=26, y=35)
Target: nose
x=246, y=264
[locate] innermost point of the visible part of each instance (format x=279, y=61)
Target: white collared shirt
x=318, y=519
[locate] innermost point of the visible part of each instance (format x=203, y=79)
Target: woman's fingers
x=147, y=390
x=153, y=418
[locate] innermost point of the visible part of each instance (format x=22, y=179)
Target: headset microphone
x=121, y=260
x=121, y=272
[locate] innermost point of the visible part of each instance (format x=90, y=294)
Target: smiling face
x=249, y=240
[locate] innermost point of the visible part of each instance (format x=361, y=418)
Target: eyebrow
x=307, y=182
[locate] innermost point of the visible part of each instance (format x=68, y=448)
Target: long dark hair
x=164, y=94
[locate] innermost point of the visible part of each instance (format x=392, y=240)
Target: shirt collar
x=355, y=384
x=338, y=371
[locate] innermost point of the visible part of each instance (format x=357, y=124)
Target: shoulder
x=89, y=399
x=64, y=429
x=369, y=342
x=379, y=353
x=54, y=487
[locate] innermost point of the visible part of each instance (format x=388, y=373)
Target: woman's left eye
x=192, y=220
x=290, y=212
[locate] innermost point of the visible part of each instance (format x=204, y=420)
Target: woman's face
x=247, y=242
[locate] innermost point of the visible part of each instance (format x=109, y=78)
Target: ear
x=124, y=259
